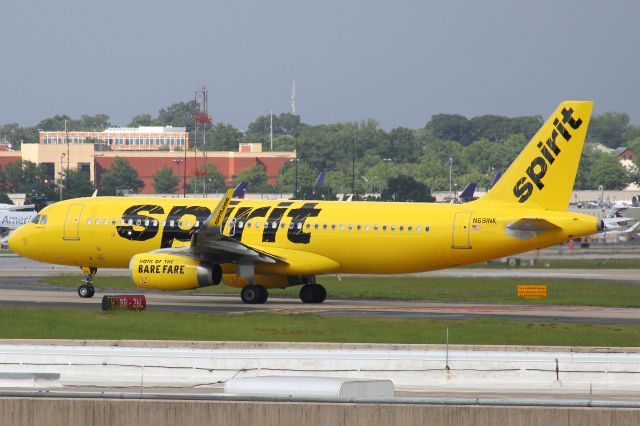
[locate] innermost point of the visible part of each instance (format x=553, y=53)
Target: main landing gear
x=254, y=294
x=87, y=290
x=313, y=293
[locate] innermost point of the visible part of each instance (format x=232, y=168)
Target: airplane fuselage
x=335, y=237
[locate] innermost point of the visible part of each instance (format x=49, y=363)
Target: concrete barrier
x=99, y=412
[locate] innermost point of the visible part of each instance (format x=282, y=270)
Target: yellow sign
x=532, y=291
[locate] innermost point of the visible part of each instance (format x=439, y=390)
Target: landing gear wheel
x=86, y=291
x=313, y=293
x=254, y=294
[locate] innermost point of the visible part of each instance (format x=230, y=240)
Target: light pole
x=450, y=178
x=62, y=155
x=178, y=163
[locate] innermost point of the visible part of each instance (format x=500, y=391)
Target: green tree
x=165, y=182
x=4, y=198
x=179, y=114
x=256, y=177
x=403, y=146
x=224, y=137
x=120, y=176
x=453, y=127
x=214, y=181
x=76, y=183
x=142, y=120
x=284, y=124
x=608, y=172
x=608, y=129
x=406, y=188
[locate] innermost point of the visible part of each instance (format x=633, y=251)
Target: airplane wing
x=211, y=243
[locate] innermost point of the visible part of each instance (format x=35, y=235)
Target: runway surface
x=19, y=287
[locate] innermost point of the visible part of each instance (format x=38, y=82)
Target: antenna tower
x=293, y=97
x=202, y=123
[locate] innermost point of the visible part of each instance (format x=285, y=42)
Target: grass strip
x=565, y=263
x=436, y=289
x=29, y=323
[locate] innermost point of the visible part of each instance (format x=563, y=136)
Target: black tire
x=321, y=294
x=92, y=291
x=307, y=293
x=254, y=294
x=83, y=291
x=264, y=294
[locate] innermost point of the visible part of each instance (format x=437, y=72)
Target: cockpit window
x=43, y=220
x=36, y=219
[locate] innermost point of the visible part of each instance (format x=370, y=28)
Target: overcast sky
x=396, y=61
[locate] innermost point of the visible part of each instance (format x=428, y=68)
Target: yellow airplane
x=177, y=243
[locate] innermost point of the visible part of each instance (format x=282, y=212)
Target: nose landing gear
x=87, y=290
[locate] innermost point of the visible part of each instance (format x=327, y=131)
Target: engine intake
x=161, y=271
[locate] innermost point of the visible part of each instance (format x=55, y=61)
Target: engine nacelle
x=161, y=271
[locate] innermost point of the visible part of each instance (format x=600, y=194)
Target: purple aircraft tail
x=495, y=180
x=467, y=193
x=241, y=190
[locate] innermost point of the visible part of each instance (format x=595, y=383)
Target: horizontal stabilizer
x=528, y=227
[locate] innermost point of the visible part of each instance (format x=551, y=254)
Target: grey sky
x=398, y=61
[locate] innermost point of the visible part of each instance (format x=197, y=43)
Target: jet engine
x=162, y=271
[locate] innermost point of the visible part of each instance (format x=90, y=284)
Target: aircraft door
x=461, y=229
x=72, y=222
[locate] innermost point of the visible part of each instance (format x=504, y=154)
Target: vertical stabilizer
x=545, y=171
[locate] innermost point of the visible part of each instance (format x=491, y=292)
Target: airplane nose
x=15, y=241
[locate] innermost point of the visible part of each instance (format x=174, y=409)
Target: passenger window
x=291, y=225
x=401, y=228
x=248, y=224
x=426, y=229
x=316, y=226
x=180, y=223
x=375, y=227
x=325, y=226
x=393, y=227
x=309, y=226
x=350, y=227
x=257, y=225
x=299, y=225
x=240, y=224
x=138, y=222
x=341, y=227
x=97, y=221
x=410, y=228
x=274, y=225
x=358, y=227
x=172, y=223
x=146, y=222
x=189, y=224
x=366, y=227
x=164, y=223
x=36, y=219
x=88, y=221
x=384, y=227
x=283, y=225
x=155, y=223
x=418, y=228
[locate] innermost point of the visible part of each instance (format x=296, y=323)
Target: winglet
x=217, y=216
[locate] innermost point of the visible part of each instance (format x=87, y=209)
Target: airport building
x=57, y=157
x=124, y=138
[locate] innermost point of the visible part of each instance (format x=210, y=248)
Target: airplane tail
x=545, y=171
